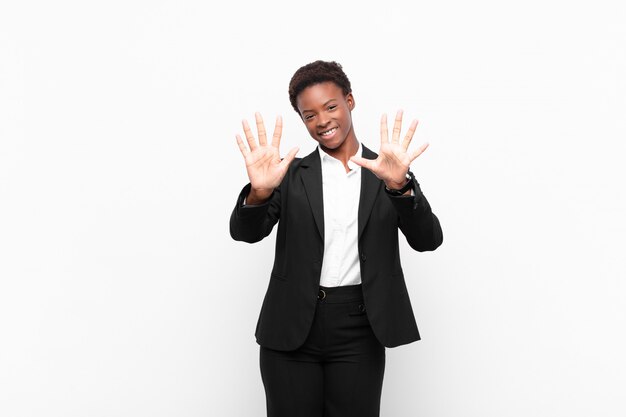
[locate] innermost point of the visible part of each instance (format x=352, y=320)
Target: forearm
x=417, y=222
x=251, y=223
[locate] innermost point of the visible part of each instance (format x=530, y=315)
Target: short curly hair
x=315, y=73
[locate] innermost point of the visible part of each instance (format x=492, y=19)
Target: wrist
x=397, y=185
x=258, y=196
x=398, y=189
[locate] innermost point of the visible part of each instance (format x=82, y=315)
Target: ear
x=350, y=100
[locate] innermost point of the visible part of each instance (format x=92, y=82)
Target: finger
x=242, y=146
x=289, y=157
x=278, y=131
x=260, y=128
x=419, y=151
x=409, y=135
x=384, y=130
x=248, y=133
x=397, y=126
x=362, y=162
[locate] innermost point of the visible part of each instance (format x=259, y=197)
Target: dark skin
x=324, y=108
x=327, y=115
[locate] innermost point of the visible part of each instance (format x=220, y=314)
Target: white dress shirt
x=341, y=191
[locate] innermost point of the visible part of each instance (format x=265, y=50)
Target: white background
x=122, y=293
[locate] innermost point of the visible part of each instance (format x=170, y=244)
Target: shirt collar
x=326, y=157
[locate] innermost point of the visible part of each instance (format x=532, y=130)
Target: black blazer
x=289, y=305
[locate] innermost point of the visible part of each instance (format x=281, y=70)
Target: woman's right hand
x=265, y=168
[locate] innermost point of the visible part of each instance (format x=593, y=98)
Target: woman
x=336, y=295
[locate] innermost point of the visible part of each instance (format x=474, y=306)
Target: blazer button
x=361, y=308
x=363, y=257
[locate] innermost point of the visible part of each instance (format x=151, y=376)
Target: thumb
x=362, y=162
x=289, y=158
x=419, y=151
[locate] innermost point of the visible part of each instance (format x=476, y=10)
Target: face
x=326, y=113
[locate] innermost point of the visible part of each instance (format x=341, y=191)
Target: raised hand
x=265, y=168
x=394, y=159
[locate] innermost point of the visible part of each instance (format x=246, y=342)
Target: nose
x=323, y=120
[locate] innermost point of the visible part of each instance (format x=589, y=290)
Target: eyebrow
x=304, y=111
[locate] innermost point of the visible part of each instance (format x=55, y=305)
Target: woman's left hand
x=393, y=160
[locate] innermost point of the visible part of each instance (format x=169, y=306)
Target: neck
x=343, y=153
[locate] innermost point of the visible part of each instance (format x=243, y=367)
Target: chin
x=330, y=145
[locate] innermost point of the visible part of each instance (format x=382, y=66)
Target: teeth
x=329, y=132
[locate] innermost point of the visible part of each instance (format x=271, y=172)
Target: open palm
x=263, y=163
x=394, y=159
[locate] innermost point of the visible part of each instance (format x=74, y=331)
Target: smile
x=329, y=132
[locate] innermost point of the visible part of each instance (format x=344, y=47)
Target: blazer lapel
x=370, y=187
x=312, y=181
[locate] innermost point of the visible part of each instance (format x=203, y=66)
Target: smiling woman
x=340, y=300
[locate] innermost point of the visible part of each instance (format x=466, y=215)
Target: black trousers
x=337, y=372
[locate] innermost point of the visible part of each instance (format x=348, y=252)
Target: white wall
x=121, y=292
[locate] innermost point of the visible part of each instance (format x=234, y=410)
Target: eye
x=332, y=107
x=308, y=117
